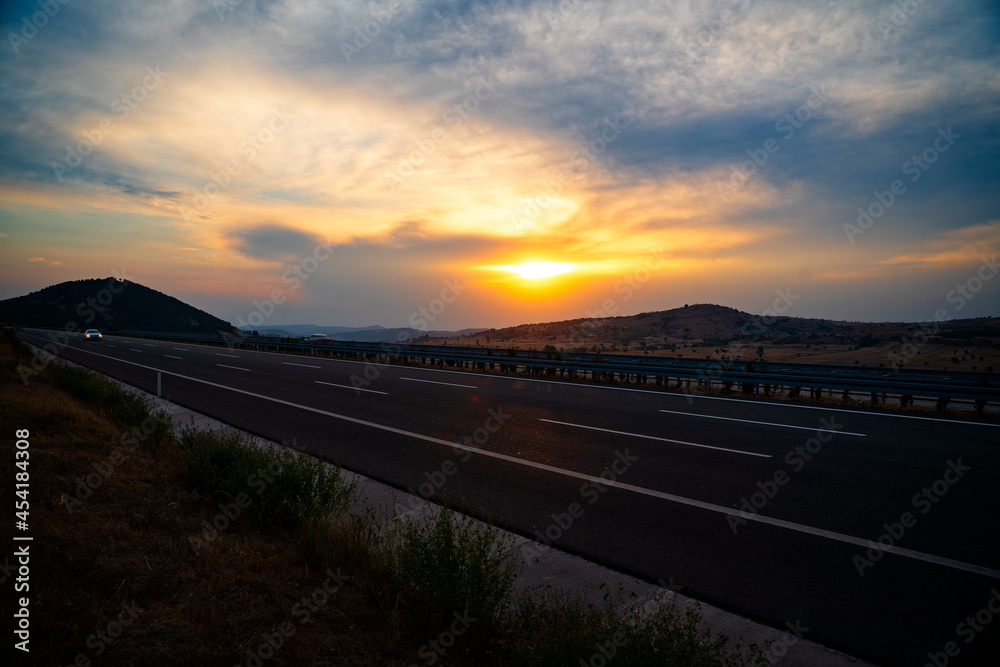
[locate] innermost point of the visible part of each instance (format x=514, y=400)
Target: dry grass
x=117, y=577
x=128, y=542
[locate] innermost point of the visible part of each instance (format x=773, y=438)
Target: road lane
x=850, y=486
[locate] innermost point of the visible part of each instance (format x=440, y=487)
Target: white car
x=317, y=338
x=92, y=334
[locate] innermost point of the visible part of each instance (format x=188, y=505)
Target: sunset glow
x=798, y=146
x=538, y=270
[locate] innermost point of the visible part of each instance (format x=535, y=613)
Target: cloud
x=375, y=157
x=954, y=248
x=274, y=242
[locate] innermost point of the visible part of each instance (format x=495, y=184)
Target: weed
x=285, y=489
x=453, y=565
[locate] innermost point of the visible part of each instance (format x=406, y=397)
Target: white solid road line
x=690, y=502
x=172, y=356
x=344, y=386
x=653, y=437
x=750, y=421
x=233, y=367
x=289, y=363
x=853, y=412
x=450, y=384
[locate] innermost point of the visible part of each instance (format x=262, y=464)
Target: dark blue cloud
x=273, y=242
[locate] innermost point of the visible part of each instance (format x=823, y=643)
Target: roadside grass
x=128, y=410
x=128, y=514
x=282, y=488
x=451, y=565
x=558, y=629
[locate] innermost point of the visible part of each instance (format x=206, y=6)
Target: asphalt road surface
x=874, y=533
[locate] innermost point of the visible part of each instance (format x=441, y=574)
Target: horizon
x=486, y=165
x=767, y=313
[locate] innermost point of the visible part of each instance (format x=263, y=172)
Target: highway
x=768, y=509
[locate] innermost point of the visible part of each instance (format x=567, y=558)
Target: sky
x=485, y=164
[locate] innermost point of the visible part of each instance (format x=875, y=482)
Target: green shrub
x=284, y=489
x=18, y=347
x=451, y=566
x=126, y=408
x=562, y=630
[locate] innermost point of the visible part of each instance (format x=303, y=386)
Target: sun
x=538, y=270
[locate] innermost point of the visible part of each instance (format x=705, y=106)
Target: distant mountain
x=306, y=329
x=108, y=304
x=712, y=325
x=372, y=334
x=404, y=334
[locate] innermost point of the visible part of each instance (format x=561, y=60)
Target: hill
x=372, y=334
x=108, y=304
x=707, y=330
x=306, y=329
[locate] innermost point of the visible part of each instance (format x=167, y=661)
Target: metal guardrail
x=982, y=388
x=908, y=384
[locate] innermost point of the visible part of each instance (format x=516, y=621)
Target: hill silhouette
x=712, y=331
x=108, y=304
